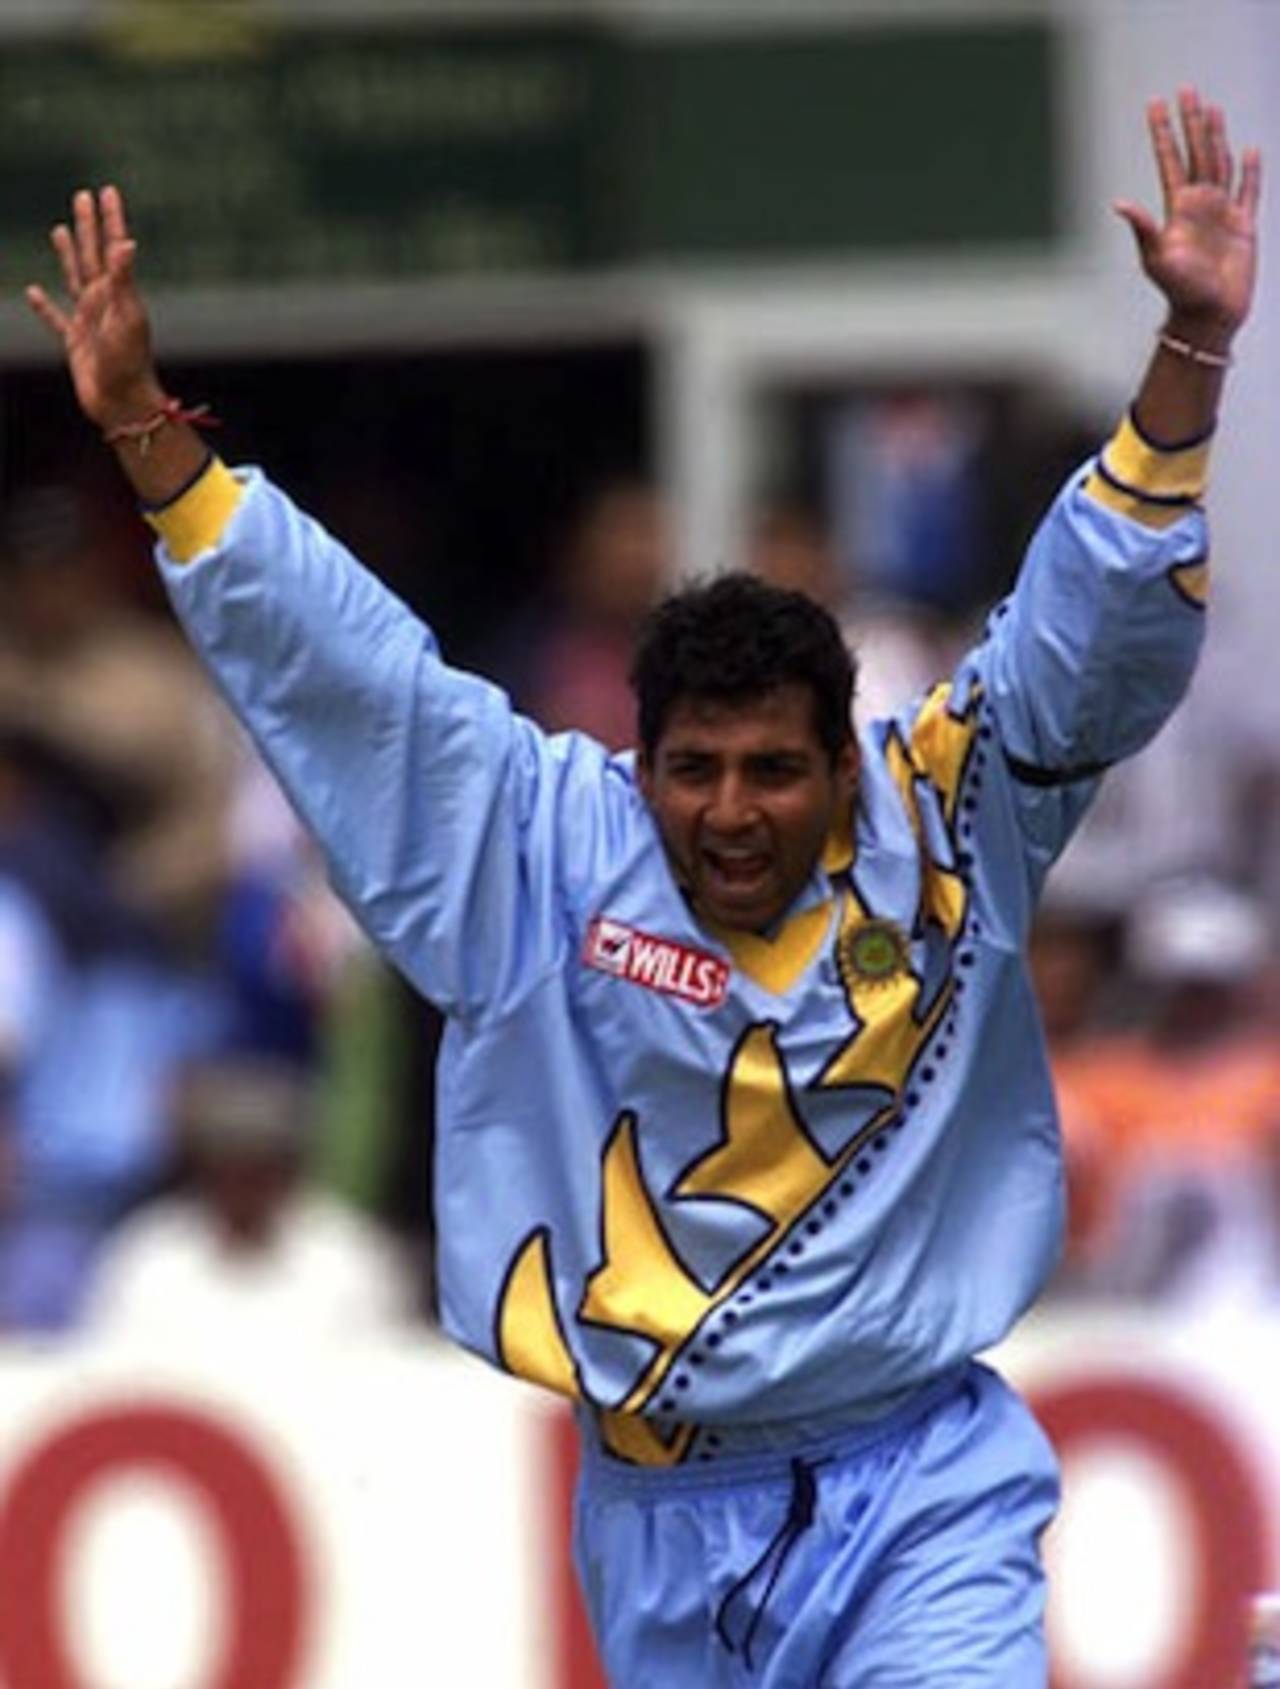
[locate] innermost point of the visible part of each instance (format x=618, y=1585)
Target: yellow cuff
x=1151, y=484
x=1180, y=472
x=196, y=521
x=1192, y=581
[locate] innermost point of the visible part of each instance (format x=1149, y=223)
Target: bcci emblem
x=875, y=952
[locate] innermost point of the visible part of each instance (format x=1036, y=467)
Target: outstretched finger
x=1250, y=190
x=120, y=256
x=111, y=207
x=48, y=313
x=1169, y=163
x=1195, y=131
x=84, y=212
x=1219, y=148
x=1145, y=229
x=65, y=247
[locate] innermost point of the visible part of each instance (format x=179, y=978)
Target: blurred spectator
x=28, y=967
x=569, y=668
x=1171, y=811
x=1072, y=951
x=1184, y=1111
x=308, y=988
x=1257, y=832
x=246, y=1252
x=184, y=907
x=906, y=495
x=95, y=1019
x=96, y=679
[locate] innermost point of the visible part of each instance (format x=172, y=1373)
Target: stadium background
x=443, y=269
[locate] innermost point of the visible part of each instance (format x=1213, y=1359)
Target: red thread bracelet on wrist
x=170, y=411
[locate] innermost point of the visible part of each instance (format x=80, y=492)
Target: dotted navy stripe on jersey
x=810, y=1225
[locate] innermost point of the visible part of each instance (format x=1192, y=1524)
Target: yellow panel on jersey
x=898, y=762
x=839, y=850
x=1136, y=508
x=767, y=1158
x=945, y=899
x=1192, y=581
x=641, y=1285
x=942, y=892
x=941, y=742
x=1145, y=467
x=777, y=963
x=195, y=522
x=530, y=1341
x=939, y=751
x=635, y=1439
x=1148, y=483
x=883, y=994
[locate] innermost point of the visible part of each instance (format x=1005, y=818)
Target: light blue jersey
x=704, y=1182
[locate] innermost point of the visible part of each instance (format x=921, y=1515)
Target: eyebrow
x=788, y=756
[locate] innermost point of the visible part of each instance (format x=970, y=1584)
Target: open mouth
x=737, y=869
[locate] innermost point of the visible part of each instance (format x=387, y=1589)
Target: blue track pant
x=903, y=1554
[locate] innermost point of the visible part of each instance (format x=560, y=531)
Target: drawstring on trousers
x=804, y=1495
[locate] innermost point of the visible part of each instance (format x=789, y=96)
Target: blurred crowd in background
x=216, y=1102
x=172, y=970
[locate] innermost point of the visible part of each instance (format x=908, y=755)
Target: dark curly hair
x=735, y=638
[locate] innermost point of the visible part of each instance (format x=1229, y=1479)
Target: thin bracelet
x=1197, y=354
x=142, y=433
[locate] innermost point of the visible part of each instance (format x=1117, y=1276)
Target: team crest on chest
x=658, y=964
x=875, y=952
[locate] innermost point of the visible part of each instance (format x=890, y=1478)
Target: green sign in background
x=375, y=154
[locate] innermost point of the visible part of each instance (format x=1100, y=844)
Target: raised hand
x=103, y=326
x=1203, y=257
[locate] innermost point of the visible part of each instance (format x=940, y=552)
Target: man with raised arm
x=746, y=1141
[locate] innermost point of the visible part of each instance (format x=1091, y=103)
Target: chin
x=743, y=917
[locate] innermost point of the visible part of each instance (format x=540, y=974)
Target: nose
x=732, y=806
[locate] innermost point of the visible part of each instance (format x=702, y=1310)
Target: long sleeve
x=440, y=811
x=1097, y=644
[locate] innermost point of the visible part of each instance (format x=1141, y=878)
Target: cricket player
x=746, y=1141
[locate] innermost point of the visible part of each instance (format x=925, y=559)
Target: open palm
x=1203, y=257
x=103, y=327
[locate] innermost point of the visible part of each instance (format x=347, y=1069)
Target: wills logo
x=659, y=964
